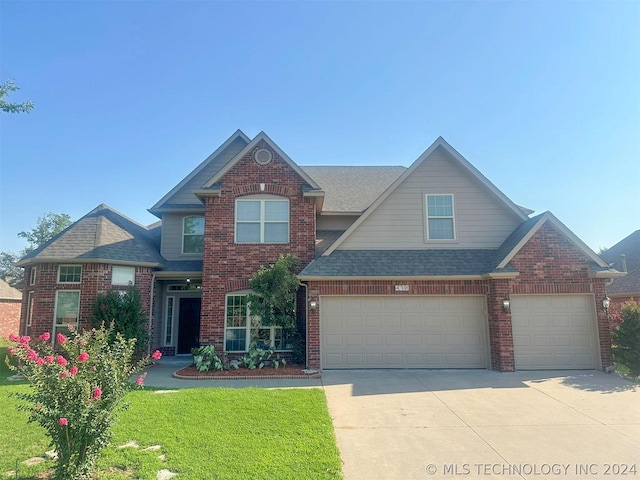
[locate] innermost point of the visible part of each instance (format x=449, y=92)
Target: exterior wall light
x=313, y=304
x=606, y=303
x=506, y=304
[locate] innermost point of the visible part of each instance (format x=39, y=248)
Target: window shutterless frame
x=70, y=274
x=193, y=234
x=440, y=222
x=262, y=220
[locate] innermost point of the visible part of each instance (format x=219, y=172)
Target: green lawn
x=209, y=433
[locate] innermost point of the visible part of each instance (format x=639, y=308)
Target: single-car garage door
x=403, y=332
x=554, y=332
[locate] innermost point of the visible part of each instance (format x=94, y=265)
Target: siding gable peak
x=440, y=144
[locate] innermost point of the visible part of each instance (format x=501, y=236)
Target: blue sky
x=542, y=97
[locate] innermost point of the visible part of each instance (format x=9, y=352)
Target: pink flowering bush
x=77, y=392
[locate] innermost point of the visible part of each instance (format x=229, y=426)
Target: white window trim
x=169, y=320
x=262, y=221
x=248, y=327
x=452, y=217
x=32, y=276
x=30, y=302
x=129, y=283
x=184, y=219
x=69, y=283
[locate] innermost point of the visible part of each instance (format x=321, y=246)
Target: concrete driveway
x=402, y=424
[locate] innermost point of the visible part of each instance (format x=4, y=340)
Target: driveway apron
x=456, y=424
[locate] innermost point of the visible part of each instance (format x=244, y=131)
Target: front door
x=188, y=324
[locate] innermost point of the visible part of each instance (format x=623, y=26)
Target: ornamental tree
x=76, y=392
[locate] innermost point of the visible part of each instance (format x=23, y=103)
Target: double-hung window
x=67, y=311
x=440, y=218
x=262, y=220
x=193, y=234
x=243, y=330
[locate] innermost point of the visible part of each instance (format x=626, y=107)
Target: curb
x=250, y=377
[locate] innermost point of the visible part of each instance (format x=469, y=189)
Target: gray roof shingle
x=630, y=247
x=102, y=234
x=401, y=263
x=352, y=189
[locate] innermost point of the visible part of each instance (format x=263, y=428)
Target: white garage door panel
x=554, y=332
x=404, y=332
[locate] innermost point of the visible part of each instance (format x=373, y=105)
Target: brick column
x=602, y=319
x=500, y=332
x=313, y=330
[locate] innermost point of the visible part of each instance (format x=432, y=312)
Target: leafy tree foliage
x=274, y=300
x=626, y=338
x=11, y=107
x=122, y=312
x=47, y=227
x=275, y=288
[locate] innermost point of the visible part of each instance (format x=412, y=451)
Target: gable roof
x=7, y=292
x=352, y=189
x=440, y=143
x=252, y=144
x=213, y=163
x=103, y=235
x=630, y=248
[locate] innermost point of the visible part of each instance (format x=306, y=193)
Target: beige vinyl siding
x=335, y=222
x=172, y=236
x=184, y=195
x=481, y=220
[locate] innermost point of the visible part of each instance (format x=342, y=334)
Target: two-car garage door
x=403, y=332
x=549, y=332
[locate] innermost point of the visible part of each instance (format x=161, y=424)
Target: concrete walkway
x=453, y=424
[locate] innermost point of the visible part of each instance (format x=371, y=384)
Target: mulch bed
x=289, y=371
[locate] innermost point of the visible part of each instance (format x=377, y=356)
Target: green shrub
x=76, y=392
x=626, y=338
x=206, y=359
x=123, y=310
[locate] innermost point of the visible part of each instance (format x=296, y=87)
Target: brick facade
x=228, y=266
x=96, y=280
x=9, y=316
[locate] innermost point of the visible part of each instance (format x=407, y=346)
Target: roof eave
x=388, y=277
x=31, y=261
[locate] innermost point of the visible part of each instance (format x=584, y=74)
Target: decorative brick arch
x=269, y=189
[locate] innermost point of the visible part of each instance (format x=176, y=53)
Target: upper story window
x=32, y=276
x=123, y=275
x=440, y=218
x=193, y=234
x=262, y=221
x=69, y=273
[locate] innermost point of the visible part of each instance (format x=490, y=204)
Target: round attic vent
x=262, y=156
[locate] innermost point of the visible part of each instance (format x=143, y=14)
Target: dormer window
x=193, y=234
x=262, y=220
x=440, y=219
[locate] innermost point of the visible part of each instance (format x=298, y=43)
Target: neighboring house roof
x=352, y=189
x=630, y=248
x=7, y=292
x=103, y=235
x=454, y=156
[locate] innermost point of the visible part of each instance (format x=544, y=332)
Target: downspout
x=153, y=284
x=306, y=324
